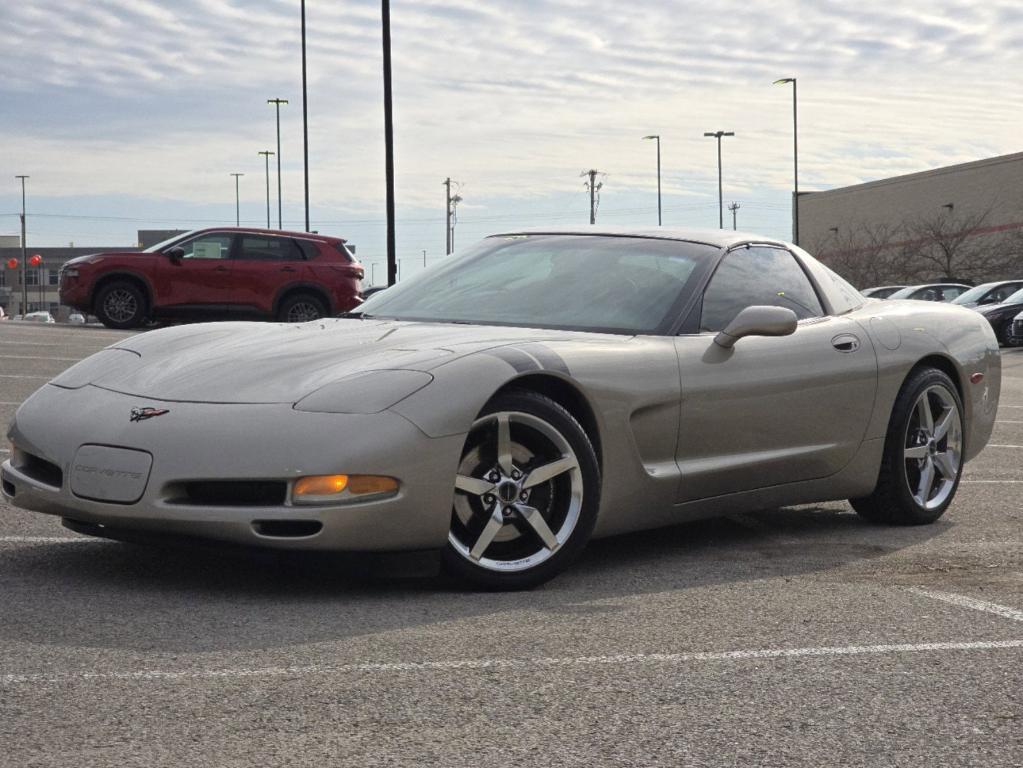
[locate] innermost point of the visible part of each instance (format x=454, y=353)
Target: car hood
x=278, y=363
x=991, y=309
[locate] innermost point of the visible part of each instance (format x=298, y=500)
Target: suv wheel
x=121, y=305
x=301, y=308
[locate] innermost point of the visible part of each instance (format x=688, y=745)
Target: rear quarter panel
x=905, y=333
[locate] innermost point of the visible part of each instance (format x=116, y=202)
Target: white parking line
x=524, y=664
x=990, y=481
x=48, y=540
x=22, y=376
x=970, y=602
x=41, y=357
x=992, y=445
x=1005, y=421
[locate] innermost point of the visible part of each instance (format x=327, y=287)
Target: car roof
x=720, y=238
x=279, y=232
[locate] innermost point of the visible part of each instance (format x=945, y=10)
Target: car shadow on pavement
x=170, y=599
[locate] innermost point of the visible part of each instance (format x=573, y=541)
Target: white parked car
x=76, y=318
x=39, y=317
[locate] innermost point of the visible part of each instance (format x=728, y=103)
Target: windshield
x=974, y=294
x=1016, y=298
x=578, y=282
x=169, y=241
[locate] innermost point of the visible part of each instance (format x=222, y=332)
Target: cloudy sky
x=131, y=114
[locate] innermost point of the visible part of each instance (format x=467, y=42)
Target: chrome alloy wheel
x=518, y=493
x=303, y=312
x=120, y=305
x=934, y=447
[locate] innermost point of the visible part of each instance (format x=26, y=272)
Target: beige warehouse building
x=960, y=222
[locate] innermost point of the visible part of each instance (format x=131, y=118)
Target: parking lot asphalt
x=800, y=636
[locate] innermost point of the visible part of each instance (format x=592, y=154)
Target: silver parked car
x=931, y=292
x=508, y=404
x=881, y=291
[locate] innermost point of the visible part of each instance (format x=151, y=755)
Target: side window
x=265, y=248
x=755, y=276
x=208, y=247
x=950, y=292
x=308, y=248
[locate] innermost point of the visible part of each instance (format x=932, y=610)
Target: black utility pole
x=658, y=139
x=392, y=259
x=721, y=199
x=277, y=103
x=305, y=126
x=447, y=216
x=594, y=188
x=734, y=208
x=24, y=252
x=237, y=201
x=266, y=153
x=795, y=159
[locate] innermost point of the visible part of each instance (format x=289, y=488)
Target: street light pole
x=305, y=126
x=658, y=138
x=721, y=198
x=277, y=103
x=266, y=153
x=24, y=252
x=795, y=159
x=385, y=22
x=237, y=201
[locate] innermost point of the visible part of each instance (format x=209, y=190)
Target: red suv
x=217, y=273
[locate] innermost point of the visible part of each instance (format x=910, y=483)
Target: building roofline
x=916, y=176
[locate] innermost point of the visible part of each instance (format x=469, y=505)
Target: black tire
x=893, y=501
x=301, y=308
x=543, y=432
x=121, y=304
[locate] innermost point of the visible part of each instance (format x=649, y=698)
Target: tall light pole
x=24, y=251
x=795, y=159
x=266, y=153
x=721, y=200
x=237, y=201
x=305, y=126
x=658, y=139
x=447, y=216
x=277, y=103
x=385, y=22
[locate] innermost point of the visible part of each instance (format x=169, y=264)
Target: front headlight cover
x=365, y=392
x=104, y=362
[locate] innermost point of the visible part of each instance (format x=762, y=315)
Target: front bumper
x=216, y=442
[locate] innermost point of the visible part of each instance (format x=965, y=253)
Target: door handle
x=287, y=269
x=220, y=269
x=846, y=342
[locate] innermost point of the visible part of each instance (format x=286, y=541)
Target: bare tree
x=867, y=255
x=947, y=245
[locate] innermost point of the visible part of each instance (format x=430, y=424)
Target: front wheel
x=923, y=454
x=527, y=492
x=121, y=305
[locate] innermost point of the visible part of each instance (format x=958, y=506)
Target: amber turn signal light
x=321, y=485
x=319, y=489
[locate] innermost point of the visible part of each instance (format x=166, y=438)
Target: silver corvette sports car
x=510, y=403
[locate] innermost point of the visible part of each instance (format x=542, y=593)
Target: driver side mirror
x=175, y=253
x=757, y=321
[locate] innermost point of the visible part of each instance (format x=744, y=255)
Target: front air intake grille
x=232, y=493
x=37, y=468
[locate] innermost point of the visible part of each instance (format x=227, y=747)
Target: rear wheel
x=121, y=305
x=301, y=308
x=526, y=494
x=923, y=455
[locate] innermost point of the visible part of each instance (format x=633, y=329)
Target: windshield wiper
x=356, y=315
